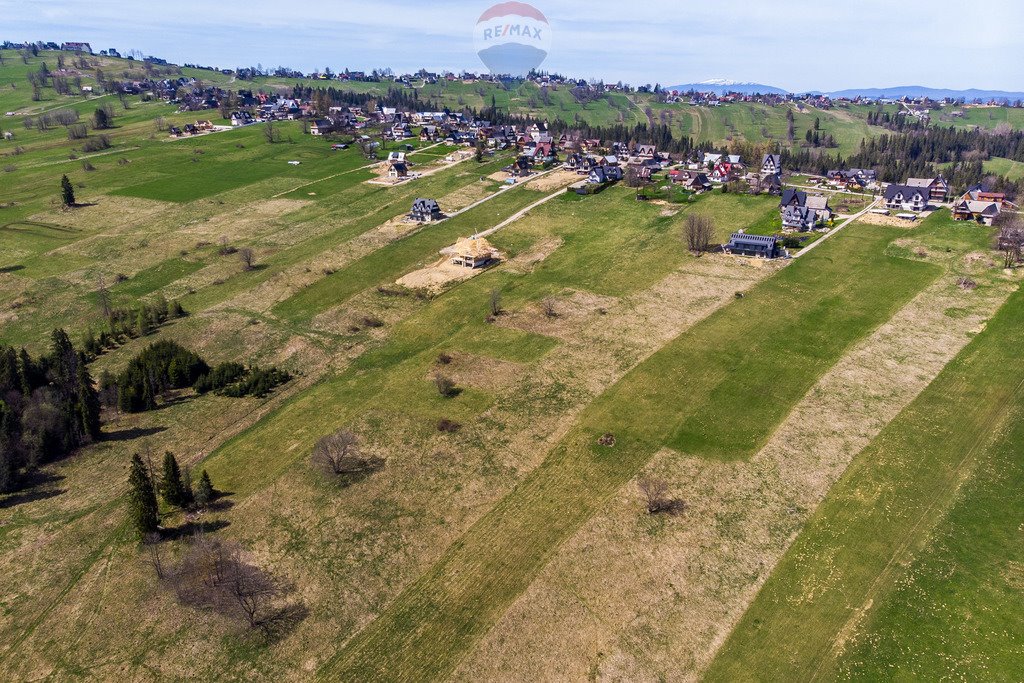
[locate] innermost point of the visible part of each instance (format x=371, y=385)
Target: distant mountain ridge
x=720, y=86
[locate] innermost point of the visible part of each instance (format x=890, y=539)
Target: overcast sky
x=794, y=44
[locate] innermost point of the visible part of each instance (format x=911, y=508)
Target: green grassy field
x=906, y=569
x=818, y=311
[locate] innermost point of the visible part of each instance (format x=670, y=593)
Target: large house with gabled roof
x=906, y=198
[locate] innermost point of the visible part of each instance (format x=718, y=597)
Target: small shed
x=473, y=252
x=425, y=211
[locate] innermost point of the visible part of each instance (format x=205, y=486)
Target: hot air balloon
x=512, y=38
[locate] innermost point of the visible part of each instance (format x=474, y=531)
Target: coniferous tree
x=143, y=508
x=89, y=403
x=8, y=443
x=205, y=491
x=67, y=192
x=171, y=487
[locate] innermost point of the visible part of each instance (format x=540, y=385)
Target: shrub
x=445, y=386
x=448, y=426
x=96, y=144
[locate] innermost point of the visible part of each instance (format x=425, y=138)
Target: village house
x=771, y=184
x=693, y=181
x=906, y=198
x=801, y=211
x=425, y=211
x=980, y=206
x=771, y=165
x=819, y=204
x=800, y=218
x=763, y=246
x=605, y=174
x=521, y=167
x=321, y=127
x=937, y=188
x=398, y=169
x=241, y=118
x=645, y=152
x=76, y=47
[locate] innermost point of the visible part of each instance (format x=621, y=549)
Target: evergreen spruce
x=171, y=487
x=67, y=192
x=142, y=504
x=205, y=491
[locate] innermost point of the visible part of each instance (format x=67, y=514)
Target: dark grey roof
x=790, y=194
x=906, y=190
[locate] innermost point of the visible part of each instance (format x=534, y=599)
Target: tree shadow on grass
x=193, y=527
x=133, y=433
x=11, y=269
x=33, y=487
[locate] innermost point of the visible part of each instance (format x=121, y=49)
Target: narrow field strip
x=811, y=313
x=854, y=551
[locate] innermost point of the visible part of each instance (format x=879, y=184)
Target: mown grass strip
x=838, y=294
x=851, y=554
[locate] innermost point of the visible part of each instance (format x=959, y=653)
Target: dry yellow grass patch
x=282, y=285
x=632, y=597
x=554, y=180
x=571, y=310
x=109, y=213
x=524, y=262
x=464, y=196
x=891, y=221
x=439, y=276
x=257, y=220
x=481, y=372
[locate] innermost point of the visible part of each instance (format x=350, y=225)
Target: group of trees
x=211, y=574
x=166, y=365
x=174, y=486
x=699, y=232
x=128, y=322
x=48, y=407
x=160, y=367
x=236, y=380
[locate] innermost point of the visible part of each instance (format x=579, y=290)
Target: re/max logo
x=512, y=30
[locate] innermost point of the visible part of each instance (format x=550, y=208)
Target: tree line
x=49, y=407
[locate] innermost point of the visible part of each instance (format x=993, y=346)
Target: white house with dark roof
x=771, y=165
x=906, y=198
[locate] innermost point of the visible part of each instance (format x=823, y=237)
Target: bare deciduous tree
x=216, y=575
x=1010, y=240
x=494, y=303
x=700, y=230
x=152, y=543
x=548, y=306
x=655, y=492
x=247, y=257
x=337, y=453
